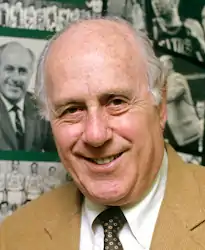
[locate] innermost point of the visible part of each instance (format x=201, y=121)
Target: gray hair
x=155, y=71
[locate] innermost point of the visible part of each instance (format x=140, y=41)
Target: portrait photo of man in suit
x=103, y=89
x=21, y=127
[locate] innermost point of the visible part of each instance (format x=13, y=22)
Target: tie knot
x=15, y=108
x=112, y=219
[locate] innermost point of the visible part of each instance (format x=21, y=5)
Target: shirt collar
x=142, y=216
x=9, y=105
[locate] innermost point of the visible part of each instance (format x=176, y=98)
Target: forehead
x=16, y=54
x=93, y=55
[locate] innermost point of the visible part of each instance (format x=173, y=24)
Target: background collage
x=29, y=163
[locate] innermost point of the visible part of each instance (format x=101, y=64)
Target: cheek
x=131, y=126
x=66, y=135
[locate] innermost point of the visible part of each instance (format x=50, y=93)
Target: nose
x=96, y=131
x=15, y=76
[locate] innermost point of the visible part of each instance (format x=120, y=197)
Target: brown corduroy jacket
x=52, y=222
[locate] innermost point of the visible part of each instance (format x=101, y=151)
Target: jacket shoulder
x=30, y=219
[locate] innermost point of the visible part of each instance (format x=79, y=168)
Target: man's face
x=200, y=107
x=164, y=7
x=15, y=165
x=52, y=171
x=107, y=129
x=34, y=168
x=15, y=72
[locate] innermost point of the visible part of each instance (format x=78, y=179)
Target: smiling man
x=21, y=127
x=103, y=89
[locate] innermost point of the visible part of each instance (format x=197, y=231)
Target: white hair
x=155, y=71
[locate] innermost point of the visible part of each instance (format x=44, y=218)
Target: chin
x=114, y=196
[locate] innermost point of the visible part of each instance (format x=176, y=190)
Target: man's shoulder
x=45, y=208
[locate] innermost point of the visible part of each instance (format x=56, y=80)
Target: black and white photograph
x=24, y=181
x=135, y=13
x=189, y=158
x=116, y=7
x=21, y=126
x=46, y=15
x=178, y=26
x=185, y=105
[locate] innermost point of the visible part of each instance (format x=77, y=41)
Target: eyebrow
x=101, y=97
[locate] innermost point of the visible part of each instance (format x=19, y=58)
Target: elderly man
x=102, y=88
x=21, y=127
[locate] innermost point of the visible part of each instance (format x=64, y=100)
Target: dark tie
x=112, y=220
x=19, y=129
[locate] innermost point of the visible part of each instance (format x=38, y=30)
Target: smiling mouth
x=106, y=160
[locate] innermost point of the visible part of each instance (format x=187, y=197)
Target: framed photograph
x=185, y=104
x=45, y=15
x=21, y=126
x=134, y=11
x=178, y=25
x=24, y=181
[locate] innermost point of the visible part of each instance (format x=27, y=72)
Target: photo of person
x=4, y=210
x=185, y=107
x=116, y=7
x=24, y=181
x=15, y=185
x=173, y=31
x=46, y=15
x=21, y=126
x=33, y=183
x=96, y=6
x=135, y=13
x=51, y=180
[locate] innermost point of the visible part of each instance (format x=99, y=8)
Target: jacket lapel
x=30, y=114
x=181, y=215
x=63, y=230
x=6, y=127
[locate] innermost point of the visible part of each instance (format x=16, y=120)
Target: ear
x=163, y=108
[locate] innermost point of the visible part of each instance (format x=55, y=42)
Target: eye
x=9, y=68
x=22, y=71
x=72, y=110
x=117, y=105
x=117, y=102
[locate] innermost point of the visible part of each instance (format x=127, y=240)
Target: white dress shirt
x=141, y=218
x=11, y=113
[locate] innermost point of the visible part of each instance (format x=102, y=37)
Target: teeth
x=105, y=160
